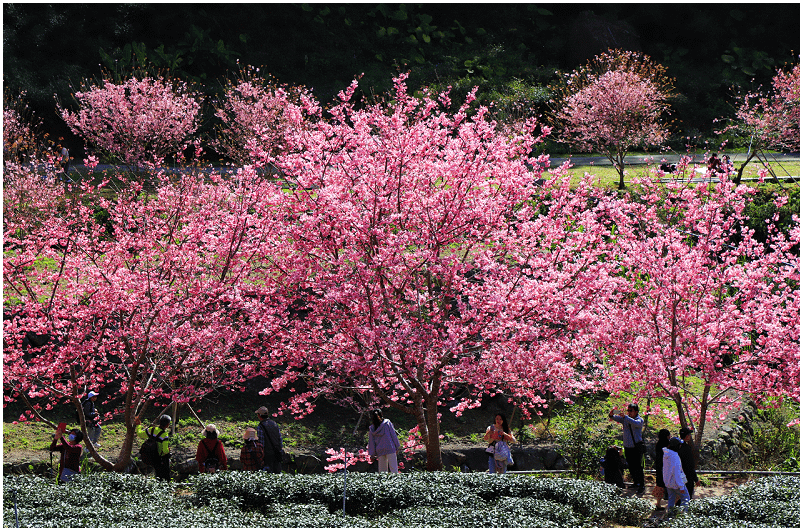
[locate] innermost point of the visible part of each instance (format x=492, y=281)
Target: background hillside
x=511, y=50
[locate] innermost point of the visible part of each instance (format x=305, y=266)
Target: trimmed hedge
x=764, y=502
x=445, y=499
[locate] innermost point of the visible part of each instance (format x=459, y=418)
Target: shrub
x=256, y=499
x=765, y=502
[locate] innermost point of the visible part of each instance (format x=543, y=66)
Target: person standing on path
x=269, y=435
x=686, y=453
x=383, y=442
x=632, y=425
x=498, y=434
x=659, y=493
x=674, y=478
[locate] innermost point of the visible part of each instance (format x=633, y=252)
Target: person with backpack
x=252, y=455
x=211, y=452
x=269, y=435
x=92, y=417
x=71, y=450
x=155, y=450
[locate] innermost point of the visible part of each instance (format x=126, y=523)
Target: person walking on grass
x=632, y=440
x=383, y=442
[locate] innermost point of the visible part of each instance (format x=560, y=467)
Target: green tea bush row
x=447, y=499
x=433, y=496
x=765, y=502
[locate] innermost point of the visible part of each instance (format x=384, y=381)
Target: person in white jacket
x=674, y=478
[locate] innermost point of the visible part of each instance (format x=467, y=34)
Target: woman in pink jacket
x=383, y=442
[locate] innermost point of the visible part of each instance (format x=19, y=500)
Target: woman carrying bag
x=499, y=436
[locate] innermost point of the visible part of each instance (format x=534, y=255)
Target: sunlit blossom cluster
x=139, y=121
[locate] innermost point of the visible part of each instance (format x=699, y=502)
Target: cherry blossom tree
x=139, y=121
x=427, y=262
x=613, y=104
x=256, y=114
x=146, y=299
x=769, y=120
x=709, y=316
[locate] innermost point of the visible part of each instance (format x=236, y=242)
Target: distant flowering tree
x=23, y=139
x=139, y=121
x=769, y=120
x=153, y=303
x=615, y=103
x=257, y=116
x=706, y=316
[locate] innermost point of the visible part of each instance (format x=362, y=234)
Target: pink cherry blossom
x=139, y=121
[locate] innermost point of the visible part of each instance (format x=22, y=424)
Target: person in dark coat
x=92, y=417
x=613, y=464
x=686, y=452
x=663, y=442
x=71, y=450
x=269, y=436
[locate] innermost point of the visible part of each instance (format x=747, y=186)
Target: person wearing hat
x=252, y=455
x=686, y=452
x=71, y=450
x=674, y=477
x=92, y=417
x=211, y=452
x=161, y=434
x=269, y=436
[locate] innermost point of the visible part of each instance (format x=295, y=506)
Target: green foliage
x=445, y=499
x=763, y=211
x=776, y=446
x=587, y=440
x=765, y=502
x=255, y=499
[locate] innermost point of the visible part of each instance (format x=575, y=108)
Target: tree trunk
x=433, y=447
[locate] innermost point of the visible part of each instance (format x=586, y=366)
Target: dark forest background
x=512, y=51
